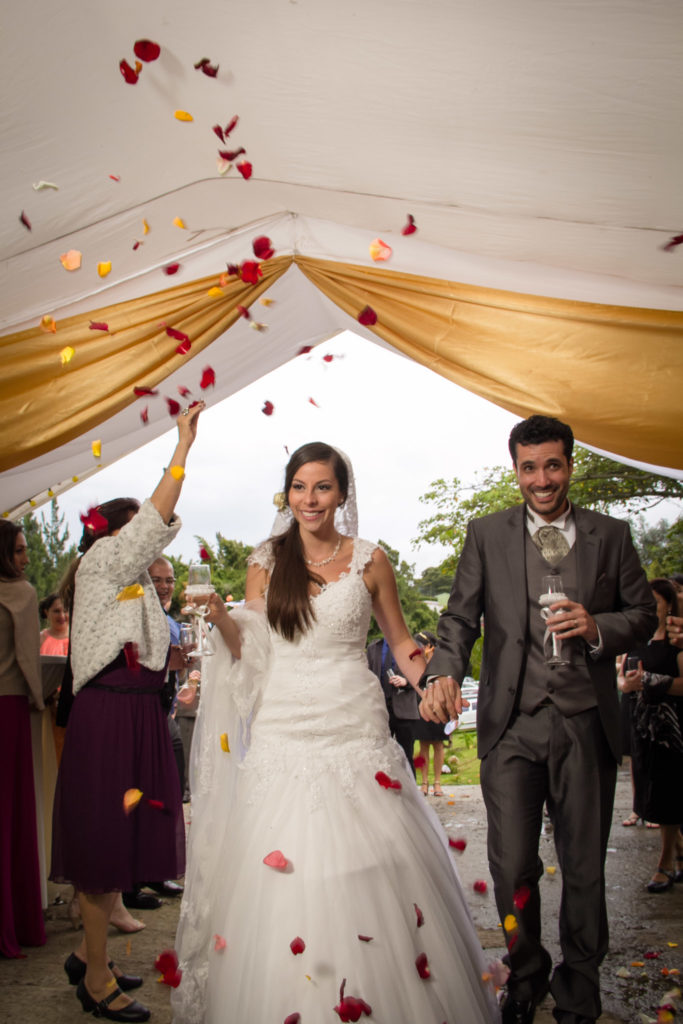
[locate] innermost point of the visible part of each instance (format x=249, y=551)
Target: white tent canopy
x=538, y=147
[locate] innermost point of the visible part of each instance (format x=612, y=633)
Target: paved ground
x=34, y=990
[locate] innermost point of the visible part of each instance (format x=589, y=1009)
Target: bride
x=320, y=887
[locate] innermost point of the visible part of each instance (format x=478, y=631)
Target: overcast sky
x=402, y=426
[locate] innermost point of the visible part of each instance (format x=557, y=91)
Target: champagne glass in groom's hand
x=553, y=593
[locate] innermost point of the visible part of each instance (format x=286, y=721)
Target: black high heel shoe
x=75, y=969
x=130, y=1014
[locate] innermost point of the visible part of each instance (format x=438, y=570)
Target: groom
x=546, y=733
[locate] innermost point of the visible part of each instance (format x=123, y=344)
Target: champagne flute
x=198, y=591
x=553, y=591
x=187, y=640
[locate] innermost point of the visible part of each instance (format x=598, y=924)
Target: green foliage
x=417, y=615
x=660, y=547
x=49, y=553
x=597, y=482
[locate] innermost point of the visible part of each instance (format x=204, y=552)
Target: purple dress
x=117, y=739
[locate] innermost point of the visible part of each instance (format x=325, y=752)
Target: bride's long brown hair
x=289, y=603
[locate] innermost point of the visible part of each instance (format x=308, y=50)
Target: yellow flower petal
x=96, y=449
x=104, y=268
x=131, y=798
x=215, y=292
x=177, y=472
x=71, y=260
x=145, y=227
x=510, y=923
x=266, y=302
x=551, y=870
x=672, y=945
x=222, y=166
x=67, y=354
x=48, y=323
x=131, y=593
x=179, y=222
x=182, y=115
x=224, y=742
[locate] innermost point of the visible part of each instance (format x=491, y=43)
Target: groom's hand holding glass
x=569, y=618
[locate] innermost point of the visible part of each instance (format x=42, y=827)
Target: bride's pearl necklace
x=325, y=561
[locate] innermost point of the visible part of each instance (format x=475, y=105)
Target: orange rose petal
x=183, y=115
x=379, y=250
x=104, y=268
x=71, y=260
x=48, y=324
x=179, y=222
x=131, y=798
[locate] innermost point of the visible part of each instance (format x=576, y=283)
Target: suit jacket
x=491, y=580
x=401, y=702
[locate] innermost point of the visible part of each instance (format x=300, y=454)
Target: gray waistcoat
x=568, y=686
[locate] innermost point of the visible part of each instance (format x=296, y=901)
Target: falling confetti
x=672, y=244
x=173, y=406
x=179, y=222
x=521, y=897
x=71, y=260
x=367, y=317
x=297, y=945
x=350, y=1008
x=419, y=915
x=480, y=886
x=167, y=963
x=145, y=227
x=204, y=555
x=276, y=860
x=215, y=292
x=115, y=177
x=231, y=154
x=263, y=248
x=379, y=250
x=144, y=415
x=365, y=938
x=48, y=324
x=458, y=844
x=312, y=401
x=183, y=115
x=140, y=391
x=551, y=870
x=208, y=378
x=268, y=409
x=25, y=221
x=146, y=50
x=387, y=783
x=205, y=65
x=304, y=350
x=171, y=268
x=219, y=943
x=225, y=746
x=131, y=798
x=245, y=169
x=130, y=76
x=131, y=593
x=104, y=268
x=39, y=186
x=422, y=965
x=97, y=325
x=96, y=448
x=410, y=228
x=510, y=923
x=183, y=391
x=177, y=472
x=293, y=1018
x=67, y=354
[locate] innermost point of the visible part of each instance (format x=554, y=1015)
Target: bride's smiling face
x=314, y=496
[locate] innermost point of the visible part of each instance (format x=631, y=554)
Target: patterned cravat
x=552, y=544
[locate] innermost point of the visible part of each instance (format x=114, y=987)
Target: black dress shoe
x=130, y=1014
x=76, y=968
x=137, y=900
x=517, y=1011
x=166, y=888
x=662, y=886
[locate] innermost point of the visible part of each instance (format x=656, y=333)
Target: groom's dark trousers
x=547, y=734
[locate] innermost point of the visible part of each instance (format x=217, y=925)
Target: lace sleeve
x=362, y=554
x=263, y=556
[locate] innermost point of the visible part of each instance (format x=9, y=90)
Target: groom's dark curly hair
x=538, y=430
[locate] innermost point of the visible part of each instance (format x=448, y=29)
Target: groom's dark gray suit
x=544, y=735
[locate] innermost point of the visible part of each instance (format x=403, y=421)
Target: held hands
x=569, y=618
x=442, y=701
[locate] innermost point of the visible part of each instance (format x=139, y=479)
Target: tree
x=228, y=561
x=48, y=551
x=597, y=482
x=660, y=547
x=417, y=614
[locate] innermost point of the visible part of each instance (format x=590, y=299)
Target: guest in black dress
x=117, y=742
x=655, y=694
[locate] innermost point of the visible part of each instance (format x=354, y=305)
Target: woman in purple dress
x=117, y=739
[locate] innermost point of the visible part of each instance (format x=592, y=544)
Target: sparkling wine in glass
x=187, y=640
x=198, y=591
x=553, y=592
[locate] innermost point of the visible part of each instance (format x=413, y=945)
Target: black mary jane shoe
x=75, y=969
x=130, y=1014
x=678, y=875
x=653, y=886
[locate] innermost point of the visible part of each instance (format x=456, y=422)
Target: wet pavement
x=35, y=990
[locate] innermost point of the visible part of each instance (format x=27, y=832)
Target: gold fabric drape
x=44, y=404
x=614, y=373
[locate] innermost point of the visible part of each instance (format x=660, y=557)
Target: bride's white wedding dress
x=307, y=728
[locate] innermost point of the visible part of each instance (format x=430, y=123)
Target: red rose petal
x=420, y=916
x=458, y=844
x=219, y=132
x=204, y=555
x=313, y=402
x=183, y=391
x=305, y=349
x=294, y=1018
x=365, y=938
x=98, y=325
x=184, y=347
x=328, y=358
x=144, y=415
x=410, y=228
x=136, y=245
x=231, y=125
x=243, y=311
x=480, y=886
x=167, y=961
x=268, y=408
x=263, y=248
x=233, y=268
x=130, y=651
x=176, y=335
x=250, y=272
x=171, y=268
x=94, y=522
x=673, y=243
x=157, y=805
x=276, y=860
x=140, y=391
x=208, y=378
x=245, y=169
x=297, y=945
x=652, y=956
x=173, y=406
x=422, y=966
x=146, y=50
x=25, y=221
x=521, y=897
x=367, y=317
x=231, y=154
x=210, y=70
x=115, y=177
x=386, y=782
x=129, y=75
x=419, y=761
